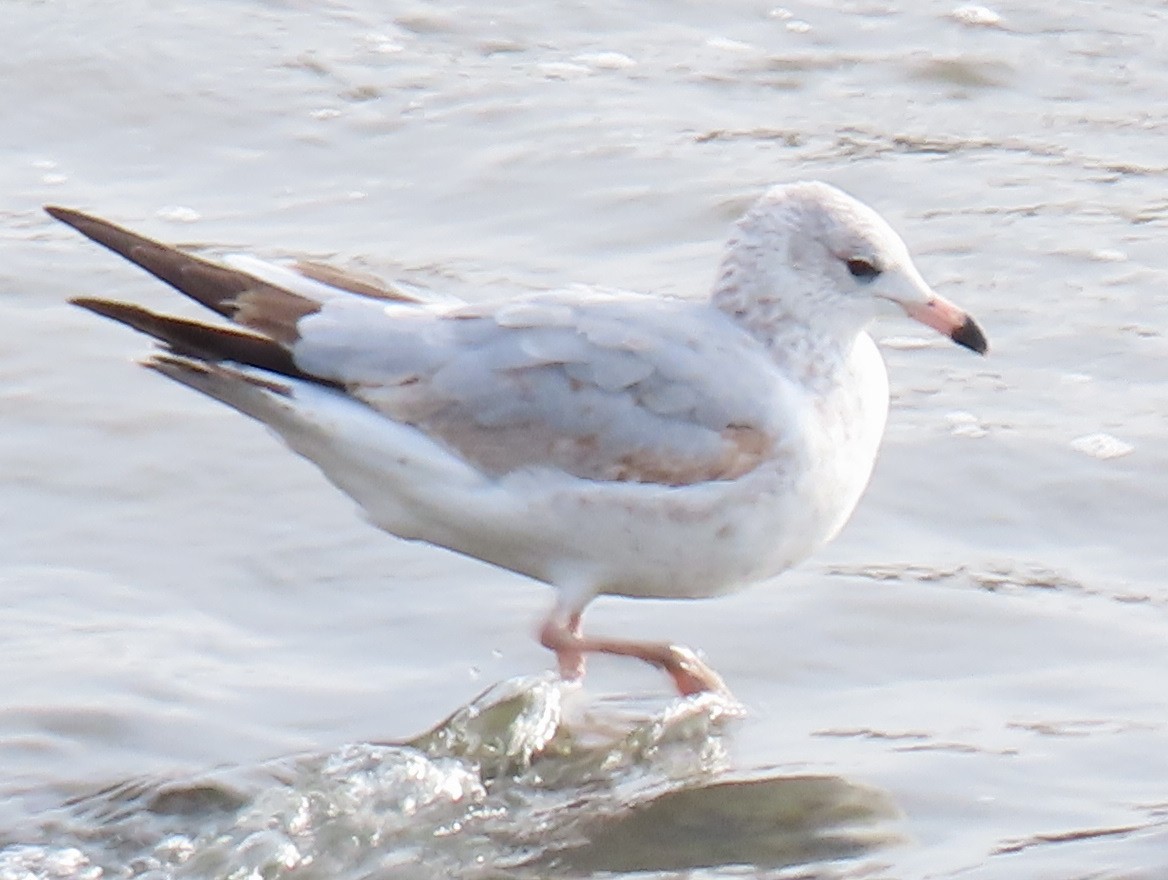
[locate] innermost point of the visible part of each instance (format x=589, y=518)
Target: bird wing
x=603, y=386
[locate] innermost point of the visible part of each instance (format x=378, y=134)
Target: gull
x=603, y=442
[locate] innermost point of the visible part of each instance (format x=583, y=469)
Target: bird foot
x=691, y=675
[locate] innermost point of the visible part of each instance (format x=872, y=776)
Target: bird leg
x=690, y=675
x=565, y=639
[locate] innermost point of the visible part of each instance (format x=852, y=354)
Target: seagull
x=603, y=442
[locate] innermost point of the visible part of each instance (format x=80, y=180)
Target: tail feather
x=252, y=395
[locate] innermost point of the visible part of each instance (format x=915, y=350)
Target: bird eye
x=862, y=269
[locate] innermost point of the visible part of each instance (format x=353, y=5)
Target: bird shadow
x=529, y=779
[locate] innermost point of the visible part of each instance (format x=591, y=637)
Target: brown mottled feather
x=501, y=449
x=743, y=451
x=273, y=312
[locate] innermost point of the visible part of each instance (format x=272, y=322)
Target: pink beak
x=944, y=317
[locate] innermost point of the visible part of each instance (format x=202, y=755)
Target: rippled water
x=201, y=640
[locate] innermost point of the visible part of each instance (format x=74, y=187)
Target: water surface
x=200, y=633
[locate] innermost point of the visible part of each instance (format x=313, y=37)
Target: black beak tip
x=970, y=336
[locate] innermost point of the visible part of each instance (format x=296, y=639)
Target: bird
x=604, y=442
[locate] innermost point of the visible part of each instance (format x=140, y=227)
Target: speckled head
x=809, y=258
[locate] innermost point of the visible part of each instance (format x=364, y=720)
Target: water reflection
x=526, y=780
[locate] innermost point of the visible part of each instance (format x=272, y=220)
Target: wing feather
x=602, y=387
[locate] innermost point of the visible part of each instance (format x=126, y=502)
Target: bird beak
x=921, y=303
x=944, y=317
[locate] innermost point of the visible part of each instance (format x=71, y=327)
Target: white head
x=811, y=257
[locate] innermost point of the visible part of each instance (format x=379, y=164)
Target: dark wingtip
x=98, y=306
x=124, y=313
x=68, y=216
x=107, y=234
x=970, y=335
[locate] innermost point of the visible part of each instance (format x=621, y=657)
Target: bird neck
x=801, y=337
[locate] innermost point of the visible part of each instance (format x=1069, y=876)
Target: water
x=204, y=644
x=505, y=786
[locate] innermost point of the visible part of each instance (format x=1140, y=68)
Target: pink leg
x=690, y=675
x=570, y=659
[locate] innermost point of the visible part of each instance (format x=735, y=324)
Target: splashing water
x=513, y=783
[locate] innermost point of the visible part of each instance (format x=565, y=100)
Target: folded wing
x=612, y=387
